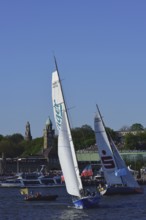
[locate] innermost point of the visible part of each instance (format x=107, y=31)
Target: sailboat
x=66, y=151
x=119, y=180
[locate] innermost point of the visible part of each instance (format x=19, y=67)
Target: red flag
x=62, y=179
x=87, y=171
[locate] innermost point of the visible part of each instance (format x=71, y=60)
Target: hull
x=87, y=202
x=8, y=185
x=123, y=190
x=14, y=185
x=41, y=198
x=38, y=182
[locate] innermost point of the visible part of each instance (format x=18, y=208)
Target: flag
x=87, y=171
x=24, y=191
x=62, y=179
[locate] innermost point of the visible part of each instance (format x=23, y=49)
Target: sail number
x=107, y=160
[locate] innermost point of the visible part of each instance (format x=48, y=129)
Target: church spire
x=28, y=136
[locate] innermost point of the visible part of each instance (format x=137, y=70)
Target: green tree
x=136, y=127
x=125, y=128
x=1, y=137
x=33, y=147
x=6, y=147
x=83, y=137
x=112, y=133
x=141, y=140
x=16, y=138
x=131, y=141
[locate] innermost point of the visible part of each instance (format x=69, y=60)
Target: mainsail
x=66, y=150
x=66, y=160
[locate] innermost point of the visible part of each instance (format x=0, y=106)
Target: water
x=119, y=207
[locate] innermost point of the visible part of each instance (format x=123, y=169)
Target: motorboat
x=38, y=196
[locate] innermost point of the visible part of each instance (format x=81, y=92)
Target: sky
x=100, y=47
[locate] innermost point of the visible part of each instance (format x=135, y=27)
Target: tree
x=16, y=138
x=135, y=141
x=111, y=132
x=141, y=140
x=130, y=141
x=136, y=127
x=83, y=137
x=1, y=137
x=125, y=128
x=6, y=147
x=33, y=147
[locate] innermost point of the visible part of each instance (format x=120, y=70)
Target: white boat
x=11, y=183
x=34, y=179
x=119, y=180
x=66, y=151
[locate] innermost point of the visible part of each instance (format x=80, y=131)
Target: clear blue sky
x=100, y=48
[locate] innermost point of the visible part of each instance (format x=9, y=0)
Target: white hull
x=19, y=185
x=42, y=181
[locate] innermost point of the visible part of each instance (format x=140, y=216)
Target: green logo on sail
x=58, y=114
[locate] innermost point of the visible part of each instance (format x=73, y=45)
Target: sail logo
x=107, y=161
x=55, y=84
x=97, y=119
x=58, y=114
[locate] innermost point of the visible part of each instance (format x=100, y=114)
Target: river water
x=118, y=207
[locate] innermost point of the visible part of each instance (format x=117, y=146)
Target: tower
x=28, y=136
x=48, y=134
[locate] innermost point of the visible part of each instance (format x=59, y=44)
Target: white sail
x=114, y=167
x=105, y=152
x=126, y=176
x=66, y=150
x=66, y=160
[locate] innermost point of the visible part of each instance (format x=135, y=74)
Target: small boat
x=40, y=197
x=37, y=196
x=66, y=151
x=119, y=180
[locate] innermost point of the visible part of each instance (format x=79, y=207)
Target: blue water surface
x=117, y=207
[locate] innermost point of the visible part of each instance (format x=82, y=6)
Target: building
x=28, y=136
x=48, y=134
